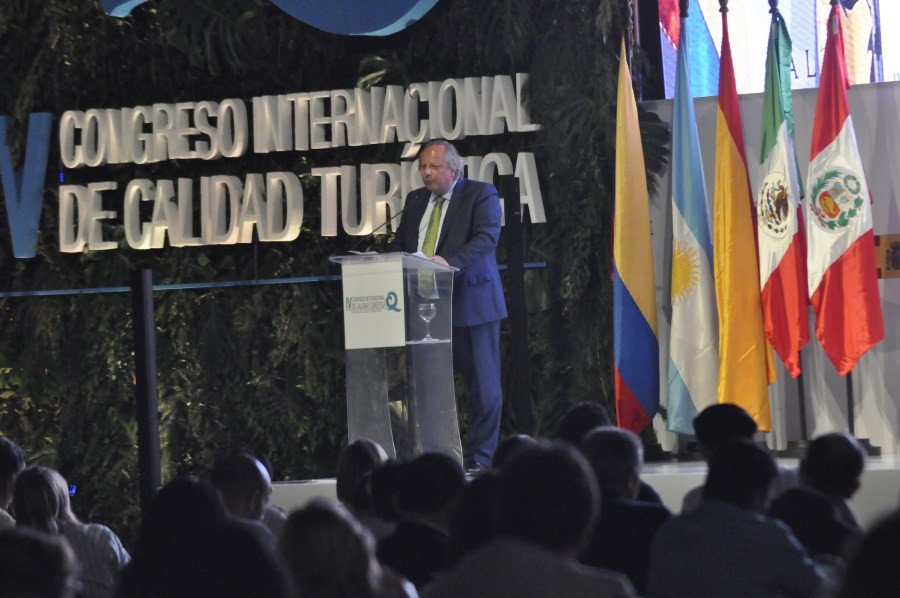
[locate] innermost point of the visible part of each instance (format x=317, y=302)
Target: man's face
x=433, y=167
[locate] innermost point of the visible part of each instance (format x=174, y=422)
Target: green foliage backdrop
x=263, y=366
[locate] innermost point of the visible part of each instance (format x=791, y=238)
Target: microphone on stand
x=366, y=237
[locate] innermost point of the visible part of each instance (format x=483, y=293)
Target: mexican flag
x=780, y=234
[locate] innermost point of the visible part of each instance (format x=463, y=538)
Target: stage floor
x=879, y=495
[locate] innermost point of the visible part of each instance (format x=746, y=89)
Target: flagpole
x=804, y=431
x=851, y=417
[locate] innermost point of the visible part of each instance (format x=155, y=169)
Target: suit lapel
x=453, y=208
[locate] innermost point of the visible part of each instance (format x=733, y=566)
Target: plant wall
x=263, y=366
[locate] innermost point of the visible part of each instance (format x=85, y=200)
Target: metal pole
x=146, y=406
x=851, y=425
x=520, y=372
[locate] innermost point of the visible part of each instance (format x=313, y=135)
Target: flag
x=693, y=350
x=635, y=338
x=780, y=233
x=744, y=373
x=841, y=252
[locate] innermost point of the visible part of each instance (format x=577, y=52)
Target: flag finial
x=723, y=5
x=773, y=7
x=683, y=8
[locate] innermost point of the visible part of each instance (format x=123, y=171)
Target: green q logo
x=390, y=301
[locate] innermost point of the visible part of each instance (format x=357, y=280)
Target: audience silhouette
x=420, y=545
x=41, y=502
x=625, y=530
x=545, y=504
x=547, y=520
x=725, y=547
x=330, y=555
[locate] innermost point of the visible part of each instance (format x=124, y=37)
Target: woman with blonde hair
x=41, y=501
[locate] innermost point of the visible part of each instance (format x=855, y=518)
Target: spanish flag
x=745, y=362
x=635, y=338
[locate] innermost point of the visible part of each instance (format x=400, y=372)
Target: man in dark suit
x=456, y=222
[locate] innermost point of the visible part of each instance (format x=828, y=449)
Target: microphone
x=375, y=230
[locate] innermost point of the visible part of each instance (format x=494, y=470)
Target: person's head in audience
x=357, y=459
x=548, y=496
x=384, y=486
x=616, y=456
x=833, y=465
x=721, y=423
x=34, y=564
x=509, y=447
x=36, y=500
x=244, y=483
x=740, y=473
x=470, y=518
x=226, y=561
x=12, y=462
x=328, y=553
x=872, y=567
x=427, y=485
x=581, y=418
x=180, y=510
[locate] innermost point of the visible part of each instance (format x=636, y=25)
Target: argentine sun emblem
x=835, y=201
x=685, y=271
x=773, y=206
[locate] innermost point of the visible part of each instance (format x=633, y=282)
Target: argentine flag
x=693, y=342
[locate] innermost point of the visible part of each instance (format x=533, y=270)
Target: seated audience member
x=12, y=462
x=716, y=425
x=36, y=565
x=834, y=465
x=374, y=501
x=226, y=561
x=470, y=517
x=872, y=569
x=420, y=544
x=622, y=537
x=354, y=483
x=581, y=418
x=817, y=511
x=330, y=555
x=725, y=547
x=273, y=517
x=245, y=486
x=509, y=447
x=545, y=504
x=41, y=502
x=357, y=459
x=179, y=511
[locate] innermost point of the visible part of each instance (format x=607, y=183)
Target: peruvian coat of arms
x=835, y=200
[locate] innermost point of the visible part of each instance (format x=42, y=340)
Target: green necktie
x=434, y=225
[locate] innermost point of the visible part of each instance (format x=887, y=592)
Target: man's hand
x=439, y=260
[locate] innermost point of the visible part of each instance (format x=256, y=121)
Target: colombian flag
x=636, y=342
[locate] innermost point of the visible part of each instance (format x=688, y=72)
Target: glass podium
x=398, y=328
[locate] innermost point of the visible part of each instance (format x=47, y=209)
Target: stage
x=879, y=495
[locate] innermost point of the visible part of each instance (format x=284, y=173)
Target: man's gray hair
x=451, y=156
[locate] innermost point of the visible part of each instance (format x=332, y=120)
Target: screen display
x=870, y=57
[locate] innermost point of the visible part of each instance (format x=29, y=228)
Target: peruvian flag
x=782, y=249
x=840, y=242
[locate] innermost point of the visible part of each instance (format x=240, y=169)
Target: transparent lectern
x=399, y=355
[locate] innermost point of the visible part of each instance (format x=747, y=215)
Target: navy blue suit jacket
x=467, y=241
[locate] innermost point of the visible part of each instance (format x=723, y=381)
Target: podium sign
x=374, y=305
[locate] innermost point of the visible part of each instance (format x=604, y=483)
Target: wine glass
x=427, y=311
